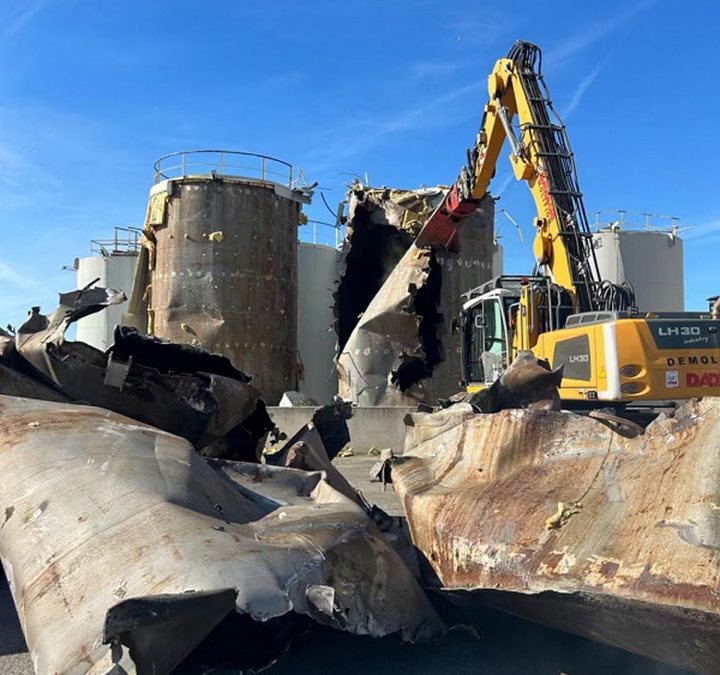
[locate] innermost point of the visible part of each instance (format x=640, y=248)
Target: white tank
x=651, y=260
x=115, y=270
x=497, y=260
x=318, y=271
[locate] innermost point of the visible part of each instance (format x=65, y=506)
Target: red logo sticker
x=704, y=380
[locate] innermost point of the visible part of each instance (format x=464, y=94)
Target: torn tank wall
x=554, y=517
x=373, y=247
x=396, y=303
x=151, y=543
x=222, y=272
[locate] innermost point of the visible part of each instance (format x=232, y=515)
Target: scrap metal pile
x=128, y=551
x=144, y=530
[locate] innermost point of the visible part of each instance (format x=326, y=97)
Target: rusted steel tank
x=396, y=303
x=553, y=516
x=221, y=231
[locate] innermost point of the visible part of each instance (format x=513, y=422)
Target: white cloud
x=362, y=134
x=580, y=90
x=421, y=70
x=705, y=232
x=18, y=14
x=500, y=184
x=584, y=38
x=283, y=79
x=11, y=277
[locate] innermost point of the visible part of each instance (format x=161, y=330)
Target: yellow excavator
x=563, y=312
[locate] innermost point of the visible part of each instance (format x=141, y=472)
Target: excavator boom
x=563, y=312
x=541, y=156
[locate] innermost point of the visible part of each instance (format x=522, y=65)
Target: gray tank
x=651, y=260
x=221, y=235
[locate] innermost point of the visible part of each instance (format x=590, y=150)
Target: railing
x=630, y=220
x=230, y=163
x=125, y=241
x=319, y=232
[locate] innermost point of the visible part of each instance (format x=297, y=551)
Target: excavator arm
x=541, y=156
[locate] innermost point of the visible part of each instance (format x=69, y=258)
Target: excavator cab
x=496, y=323
x=487, y=321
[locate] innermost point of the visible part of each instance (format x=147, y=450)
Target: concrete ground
x=506, y=646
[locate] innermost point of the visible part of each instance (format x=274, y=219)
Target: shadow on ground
x=506, y=646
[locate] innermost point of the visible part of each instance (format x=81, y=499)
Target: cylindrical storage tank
x=223, y=269
x=652, y=261
x=497, y=259
x=113, y=271
x=318, y=270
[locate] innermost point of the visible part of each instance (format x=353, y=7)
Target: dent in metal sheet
x=633, y=563
x=151, y=542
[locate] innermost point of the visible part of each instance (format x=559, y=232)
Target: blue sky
x=92, y=92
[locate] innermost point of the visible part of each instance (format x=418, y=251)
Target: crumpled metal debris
x=396, y=302
x=554, y=517
x=177, y=388
x=17, y=376
x=314, y=445
x=117, y=537
x=528, y=382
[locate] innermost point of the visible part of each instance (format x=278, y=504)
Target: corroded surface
x=620, y=536
x=396, y=302
x=223, y=274
x=113, y=531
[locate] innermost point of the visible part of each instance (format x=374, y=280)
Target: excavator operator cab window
x=486, y=346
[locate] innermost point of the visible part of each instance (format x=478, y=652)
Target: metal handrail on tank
x=628, y=221
x=320, y=232
x=125, y=241
x=226, y=163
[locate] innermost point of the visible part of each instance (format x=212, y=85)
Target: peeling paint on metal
x=636, y=566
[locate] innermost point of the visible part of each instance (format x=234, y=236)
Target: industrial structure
x=397, y=304
x=650, y=259
x=158, y=517
x=111, y=264
x=318, y=273
x=497, y=258
x=219, y=269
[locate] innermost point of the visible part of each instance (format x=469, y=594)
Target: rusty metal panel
x=176, y=387
x=117, y=537
x=554, y=517
x=379, y=363
x=396, y=302
x=224, y=274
